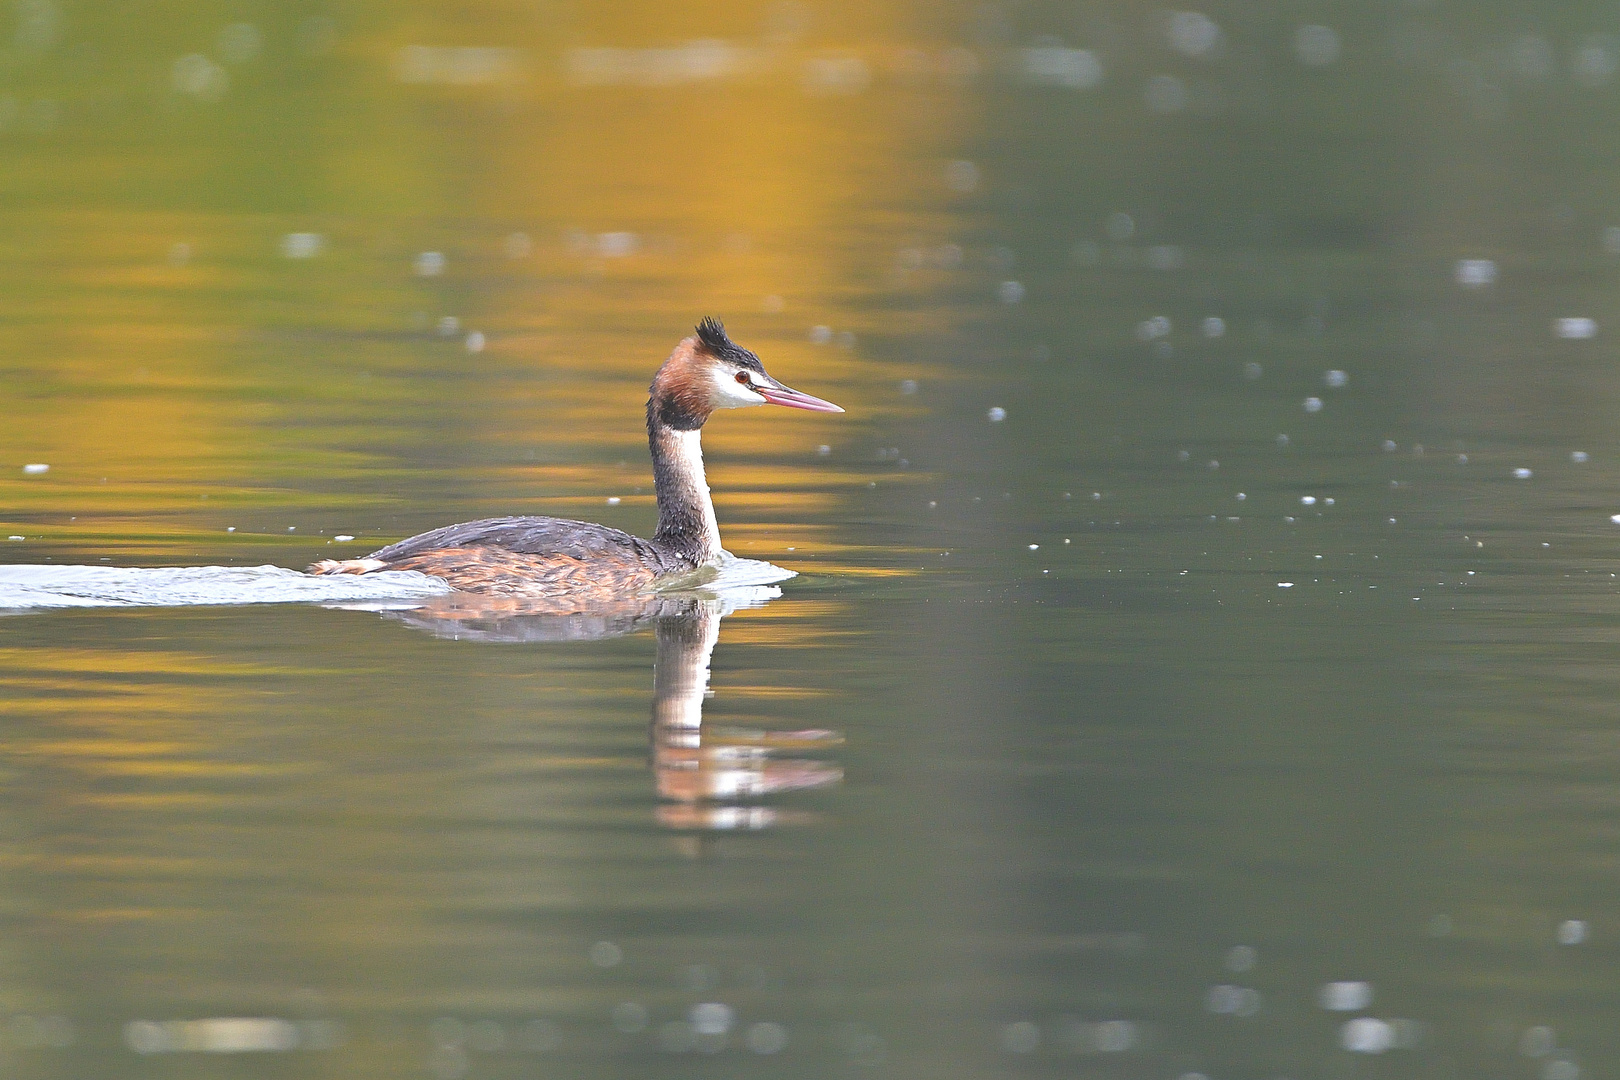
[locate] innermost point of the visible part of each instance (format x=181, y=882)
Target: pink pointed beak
x=775, y=393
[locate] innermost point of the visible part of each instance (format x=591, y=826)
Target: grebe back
x=574, y=561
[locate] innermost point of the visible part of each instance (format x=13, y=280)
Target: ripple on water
x=35, y=586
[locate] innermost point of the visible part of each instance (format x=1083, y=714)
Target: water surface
x=1199, y=662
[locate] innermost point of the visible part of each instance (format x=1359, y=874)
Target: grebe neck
x=686, y=520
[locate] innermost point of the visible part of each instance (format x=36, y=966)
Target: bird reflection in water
x=706, y=779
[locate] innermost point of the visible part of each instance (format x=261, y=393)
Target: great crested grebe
x=558, y=559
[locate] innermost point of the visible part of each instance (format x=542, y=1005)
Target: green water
x=1147, y=687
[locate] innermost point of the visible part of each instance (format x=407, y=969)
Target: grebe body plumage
x=575, y=562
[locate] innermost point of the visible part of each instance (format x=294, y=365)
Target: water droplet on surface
x=997, y=414
x=605, y=954
x=1579, y=457
x=711, y=1018
x=475, y=342
x=429, y=264
x=1241, y=958
x=1214, y=327
x=1575, y=329
x=1316, y=45
x=302, y=245
x=1537, y=1041
x=1313, y=404
x=1345, y=996
x=1571, y=932
x=1010, y=292
x=1474, y=273
x=36, y=468
x=1336, y=379
x=1192, y=33
x=1522, y=474
x=1366, y=1035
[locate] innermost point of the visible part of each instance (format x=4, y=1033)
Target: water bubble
x=1054, y=65
x=1522, y=474
x=820, y=335
x=1390, y=446
x=36, y=468
x=997, y=414
x=1579, y=457
x=605, y=954
x=1120, y=226
x=1150, y=329
x=1313, y=404
x=1365, y=1035
x=766, y=1037
x=429, y=264
x=449, y=326
x=1345, y=996
x=1316, y=45
x=1021, y=1037
x=823, y=450
x=1228, y=1000
x=1438, y=926
x=302, y=245
x=1575, y=329
x=1537, y=1042
x=1336, y=379
x=1252, y=371
x=1241, y=957
x=773, y=304
x=475, y=342
x=1307, y=500
x=711, y=1018
x=1561, y=1069
x=179, y=254
x=200, y=77
x=343, y=538
x=1571, y=932
x=1213, y=327
x=1282, y=440
x=1192, y=33
x=1475, y=273
x=1010, y=292
x=908, y=386
x=617, y=245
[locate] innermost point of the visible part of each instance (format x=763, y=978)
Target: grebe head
x=709, y=372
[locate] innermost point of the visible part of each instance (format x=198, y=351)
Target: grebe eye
x=742, y=377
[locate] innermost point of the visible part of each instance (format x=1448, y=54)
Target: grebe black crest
x=577, y=562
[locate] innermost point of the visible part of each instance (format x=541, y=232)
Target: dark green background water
x=1139, y=749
